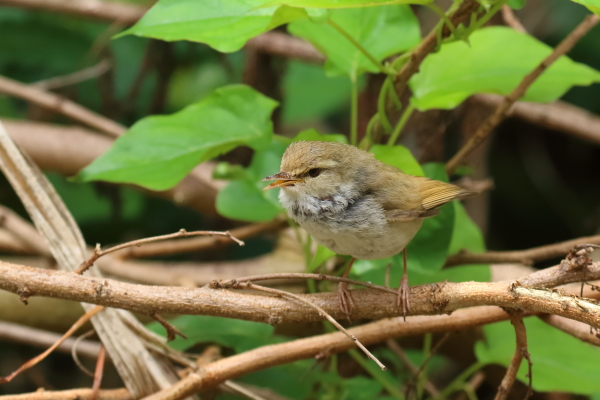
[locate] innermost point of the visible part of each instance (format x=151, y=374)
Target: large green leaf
x=382, y=30
x=344, y=3
x=560, y=361
x=592, y=5
x=225, y=25
x=158, y=151
x=494, y=61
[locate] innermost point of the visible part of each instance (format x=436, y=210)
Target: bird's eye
x=314, y=172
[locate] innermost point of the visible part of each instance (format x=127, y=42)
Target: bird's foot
x=346, y=301
x=404, y=296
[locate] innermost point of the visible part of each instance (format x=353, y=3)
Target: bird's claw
x=346, y=300
x=404, y=296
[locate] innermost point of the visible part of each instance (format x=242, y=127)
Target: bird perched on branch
x=356, y=205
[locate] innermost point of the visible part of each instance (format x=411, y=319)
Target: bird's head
x=319, y=169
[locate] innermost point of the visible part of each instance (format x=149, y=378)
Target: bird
x=356, y=205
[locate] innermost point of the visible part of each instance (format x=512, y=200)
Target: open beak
x=281, y=179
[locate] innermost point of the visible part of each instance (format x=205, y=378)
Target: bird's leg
x=404, y=289
x=346, y=301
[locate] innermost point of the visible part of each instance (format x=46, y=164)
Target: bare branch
x=281, y=44
x=525, y=257
x=521, y=352
x=574, y=328
x=73, y=394
x=74, y=78
x=426, y=299
x=502, y=111
x=60, y=105
x=511, y=20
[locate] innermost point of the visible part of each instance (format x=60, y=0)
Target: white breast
x=349, y=225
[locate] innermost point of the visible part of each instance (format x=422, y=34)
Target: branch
x=511, y=20
x=17, y=333
x=502, y=111
x=520, y=352
x=371, y=304
x=559, y=116
x=525, y=257
x=73, y=394
x=283, y=45
x=574, y=328
x=428, y=45
x=23, y=231
x=75, y=77
x=60, y=105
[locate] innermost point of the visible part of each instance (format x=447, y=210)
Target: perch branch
x=502, y=111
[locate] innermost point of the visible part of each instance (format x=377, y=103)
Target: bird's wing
x=408, y=215
x=437, y=193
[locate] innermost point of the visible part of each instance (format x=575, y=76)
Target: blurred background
x=546, y=183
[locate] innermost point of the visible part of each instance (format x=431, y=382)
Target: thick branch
x=371, y=304
x=502, y=111
x=525, y=257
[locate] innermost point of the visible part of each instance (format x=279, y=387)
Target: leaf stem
x=400, y=125
x=459, y=382
x=383, y=119
x=360, y=47
x=377, y=374
x=493, y=10
x=354, y=113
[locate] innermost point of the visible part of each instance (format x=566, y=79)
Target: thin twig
x=395, y=347
x=75, y=77
x=503, y=109
x=525, y=257
x=322, y=312
x=172, y=332
x=521, y=352
x=99, y=372
x=85, y=318
x=239, y=389
x=75, y=355
x=182, y=233
x=511, y=20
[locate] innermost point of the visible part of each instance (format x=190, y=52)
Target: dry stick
x=23, y=231
x=98, y=374
x=322, y=313
x=84, y=318
x=75, y=356
x=16, y=333
x=182, y=233
x=511, y=20
x=170, y=247
x=574, y=328
x=171, y=330
x=516, y=319
x=395, y=347
x=503, y=109
x=239, y=389
x=72, y=394
x=525, y=257
x=61, y=105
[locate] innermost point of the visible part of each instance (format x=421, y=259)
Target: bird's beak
x=281, y=179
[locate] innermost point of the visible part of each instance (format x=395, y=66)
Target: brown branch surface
x=525, y=257
x=511, y=20
x=503, y=109
x=61, y=105
x=73, y=394
x=520, y=352
x=574, y=328
x=371, y=304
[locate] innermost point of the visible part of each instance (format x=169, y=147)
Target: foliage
x=213, y=114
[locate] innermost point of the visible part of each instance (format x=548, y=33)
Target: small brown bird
x=356, y=205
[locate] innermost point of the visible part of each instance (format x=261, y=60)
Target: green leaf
x=361, y=388
x=466, y=235
x=399, y=157
x=372, y=27
x=310, y=94
x=494, y=61
x=312, y=134
x=321, y=255
x=225, y=25
x=237, y=334
x=592, y=5
x=344, y=3
x=560, y=361
x=259, y=205
x=158, y=151
x=516, y=4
